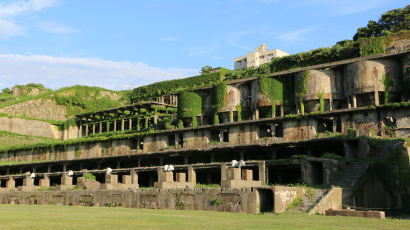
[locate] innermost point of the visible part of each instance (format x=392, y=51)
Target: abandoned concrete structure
x=260, y=56
x=305, y=135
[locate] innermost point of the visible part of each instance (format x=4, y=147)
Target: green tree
x=390, y=22
x=206, y=69
x=7, y=91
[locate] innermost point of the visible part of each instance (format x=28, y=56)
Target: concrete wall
x=332, y=200
x=29, y=127
x=284, y=196
x=210, y=199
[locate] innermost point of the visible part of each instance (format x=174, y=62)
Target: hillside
x=57, y=105
x=12, y=139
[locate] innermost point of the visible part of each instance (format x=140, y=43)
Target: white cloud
x=56, y=72
x=54, y=28
x=11, y=10
x=19, y=7
x=295, y=35
x=8, y=29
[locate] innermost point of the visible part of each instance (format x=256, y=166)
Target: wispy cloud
x=295, y=35
x=237, y=45
x=170, y=39
x=196, y=51
x=56, y=72
x=9, y=29
x=55, y=28
x=12, y=9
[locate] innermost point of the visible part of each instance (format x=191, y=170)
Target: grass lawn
x=75, y=217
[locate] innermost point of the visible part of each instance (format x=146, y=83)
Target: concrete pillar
x=282, y=111
x=45, y=182
x=86, y=129
x=180, y=177
x=100, y=127
x=231, y=116
x=349, y=104
x=159, y=172
x=262, y=172
x=331, y=103
x=247, y=175
x=256, y=117
x=111, y=178
x=10, y=184
x=66, y=180
x=376, y=98
x=191, y=174
x=134, y=176
x=115, y=125
x=27, y=181
x=80, y=130
x=354, y=101
x=130, y=124
x=93, y=127
x=224, y=169
x=122, y=124
x=155, y=119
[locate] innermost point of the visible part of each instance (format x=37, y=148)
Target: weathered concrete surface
x=354, y=213
x=228, y=200
x=38, y=108
x=332, y=200
x=284, y=196
x=29, y=127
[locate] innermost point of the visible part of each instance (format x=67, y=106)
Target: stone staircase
x=310, y=200
x=349, y=175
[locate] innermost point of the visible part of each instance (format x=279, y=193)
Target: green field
x=69, y=217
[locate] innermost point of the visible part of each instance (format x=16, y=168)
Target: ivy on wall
x=278, y=90
x=322, y=101
x=377, y=45
x=218, y=97
x=301, y=88
x=387, y=83
x=189, y=105
x=174, y=86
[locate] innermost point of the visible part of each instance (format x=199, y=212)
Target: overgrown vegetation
x=174, y=86
x=189, y=106
x=301, y=89
x=218, y=98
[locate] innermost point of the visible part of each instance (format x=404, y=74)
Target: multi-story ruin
x=318, y=125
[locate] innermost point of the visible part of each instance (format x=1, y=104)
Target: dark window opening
x=284, y=175
x=134, y=144
x=171, y=140
x=215, y=136
x=181, y=139
x=317, y=173
x=265, y=131
x=147, y=178
x=265, y=112
x=208, y=176
x=141, y=144
x=226, y=135
x=338, y=125
x=279, y=130
x=324, y=125
x=265, y=200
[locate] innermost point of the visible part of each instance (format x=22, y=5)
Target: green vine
x=189, y=105
x=239, y=112
x=387, y=83
x=301, y=88
x=322, y=101
x=218, y=97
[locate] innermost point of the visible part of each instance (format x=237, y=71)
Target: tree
x=7, y=91
x=392, y=21
x=206, y=69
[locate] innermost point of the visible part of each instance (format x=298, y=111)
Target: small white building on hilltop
x=260, y=56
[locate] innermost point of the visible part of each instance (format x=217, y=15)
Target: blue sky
x=127, y=43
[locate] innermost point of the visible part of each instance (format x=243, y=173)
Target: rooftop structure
x=260, y=56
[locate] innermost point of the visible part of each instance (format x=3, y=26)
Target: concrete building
x=260, y=56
